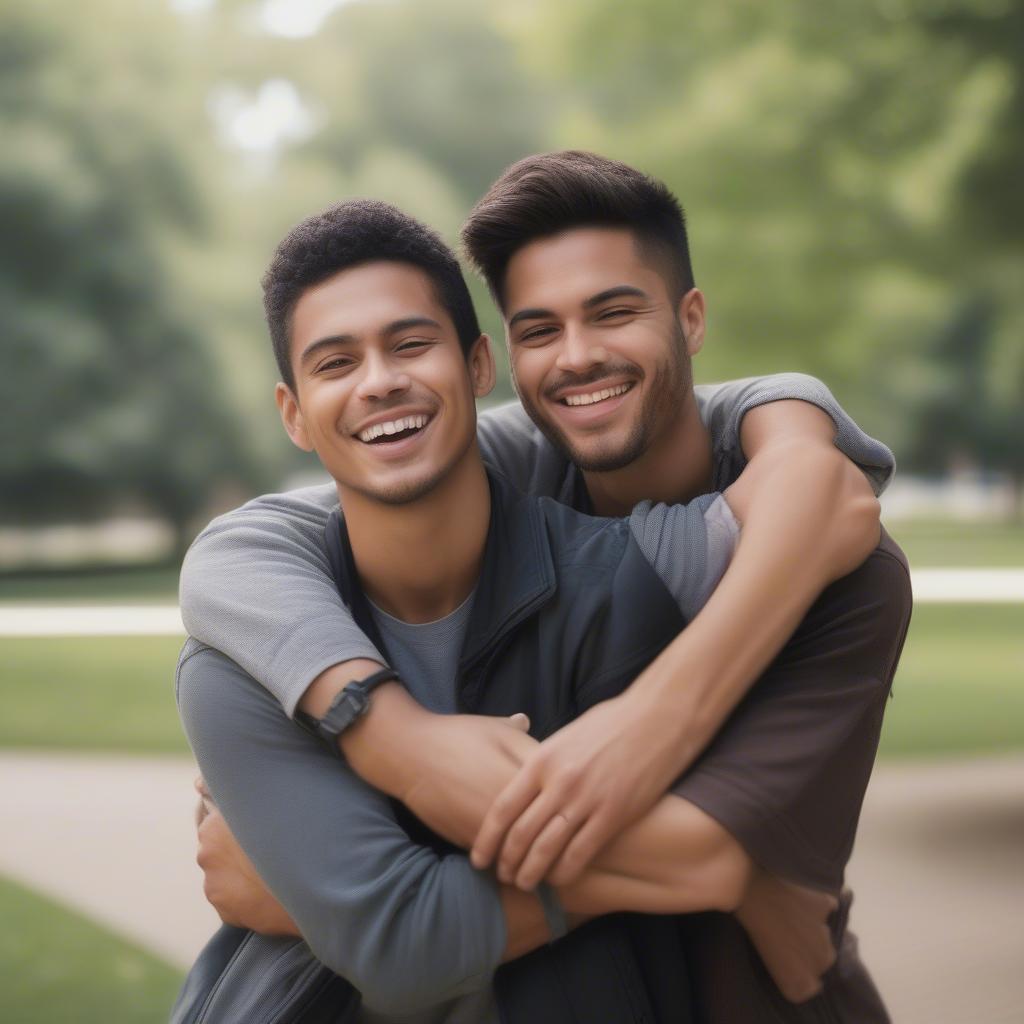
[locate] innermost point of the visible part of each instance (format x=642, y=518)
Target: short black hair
x=548, y=193
x=346, y=235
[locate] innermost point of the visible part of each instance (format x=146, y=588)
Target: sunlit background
x=852, y=179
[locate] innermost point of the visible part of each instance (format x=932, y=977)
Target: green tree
x=111, y=397
x=851, y=171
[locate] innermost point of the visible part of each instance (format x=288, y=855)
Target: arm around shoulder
x=256, y=584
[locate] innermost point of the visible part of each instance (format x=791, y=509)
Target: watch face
x=352, y=702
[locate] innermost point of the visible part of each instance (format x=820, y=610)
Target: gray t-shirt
x=410, y=929
x=256, y=583
x=426, y=656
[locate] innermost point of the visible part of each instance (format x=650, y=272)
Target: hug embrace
x=560, y=713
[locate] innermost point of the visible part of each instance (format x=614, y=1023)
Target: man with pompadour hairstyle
x=602, y=324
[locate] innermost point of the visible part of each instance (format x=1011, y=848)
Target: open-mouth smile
x=390, y=431
x=594, y=397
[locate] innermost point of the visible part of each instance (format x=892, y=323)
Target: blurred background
x=851, y=174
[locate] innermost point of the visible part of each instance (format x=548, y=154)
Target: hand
x=579, y=789
x=231, y=883
x=788, y=925
x=462, y=763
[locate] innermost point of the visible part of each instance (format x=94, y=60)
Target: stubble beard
x=670, y=384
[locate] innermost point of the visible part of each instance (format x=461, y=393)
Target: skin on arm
x=598, y=773
x=676, y=859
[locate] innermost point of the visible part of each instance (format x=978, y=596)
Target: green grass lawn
x=960, y=688
x=960, y=685
x=102, y=693
x=56, y=966
x=952, y=543
x=135, y=585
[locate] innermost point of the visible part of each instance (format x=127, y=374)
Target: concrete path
x=938, y=869
x=112, y=837
x=958, y=586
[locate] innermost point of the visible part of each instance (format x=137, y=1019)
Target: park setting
x=848, y=175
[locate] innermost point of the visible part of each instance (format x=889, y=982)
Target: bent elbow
x=730, y=872
x=857, y=519
x=390, y=982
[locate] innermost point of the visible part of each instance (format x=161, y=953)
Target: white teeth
x=393, y=427
x=596, y=396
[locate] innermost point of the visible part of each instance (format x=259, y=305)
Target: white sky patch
x=293, y=19
x=296, y=19
x=188, y=7
x=264, y=121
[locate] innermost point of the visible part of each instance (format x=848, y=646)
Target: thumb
x=519, y=721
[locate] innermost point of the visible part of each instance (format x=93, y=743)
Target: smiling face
x=383, y=392
x=600, y=349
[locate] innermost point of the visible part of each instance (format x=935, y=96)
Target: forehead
x=361, y=301
x=567, y=268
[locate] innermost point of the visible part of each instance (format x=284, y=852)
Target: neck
x=419, y=561
x=675, y=468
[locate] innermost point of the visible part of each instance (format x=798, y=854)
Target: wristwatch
x=349, y=705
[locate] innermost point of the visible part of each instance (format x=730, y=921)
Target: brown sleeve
x=787, y=773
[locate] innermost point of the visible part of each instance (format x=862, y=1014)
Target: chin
x=404, y=492
x=603, y=454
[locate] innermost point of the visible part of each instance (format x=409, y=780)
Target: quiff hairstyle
x=347, y=235
x=544, y=195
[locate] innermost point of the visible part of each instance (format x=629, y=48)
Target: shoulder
x=578, y=539
x=612, y=607
x=302, y=512
x=511, y=442
x=862, y=619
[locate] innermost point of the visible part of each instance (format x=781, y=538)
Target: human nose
x=381, y=378
x=579, y=351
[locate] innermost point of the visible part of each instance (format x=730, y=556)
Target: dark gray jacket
x=567, y=612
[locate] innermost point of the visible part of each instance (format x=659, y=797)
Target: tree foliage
x=114, y=395
x=850, y=172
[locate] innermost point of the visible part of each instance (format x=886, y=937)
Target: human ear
x=291, y=416
x=692, y=316
x=481, y=366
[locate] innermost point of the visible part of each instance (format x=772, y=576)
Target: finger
x=544, y=851
x=582, y=848
x=520, y=721
x=525, y=830
x=507, y=807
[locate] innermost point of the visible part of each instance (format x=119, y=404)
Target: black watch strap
x=350, y=704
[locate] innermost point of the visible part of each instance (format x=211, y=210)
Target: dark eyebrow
x=410, y=321
x=348, y=339
x=530, y=314
x=321, y=343
x=618, y=292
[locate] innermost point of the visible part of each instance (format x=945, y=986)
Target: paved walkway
x=959, y=586
x=938, y=870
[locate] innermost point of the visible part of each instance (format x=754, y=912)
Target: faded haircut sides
x=546, y=194
x=347, y=235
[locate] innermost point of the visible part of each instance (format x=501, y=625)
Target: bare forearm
x=675, y=859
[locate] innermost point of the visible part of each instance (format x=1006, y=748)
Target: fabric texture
x=245, y=547
x=255, y=583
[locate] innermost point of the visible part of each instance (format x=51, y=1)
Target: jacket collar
x=517, y=575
